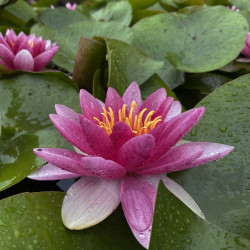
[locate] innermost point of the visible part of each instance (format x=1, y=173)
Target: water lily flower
x=233, y=8
x=245, y=51
x=71, y=6
x=22, y=52
x=123, y=149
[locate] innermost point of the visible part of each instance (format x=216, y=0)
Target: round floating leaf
x=203, y=41
x=221, y=188
x=59, y=17
x=26, y=101
x=128, y=64
x=176, y=227
x=115, y=11
x=33, y=221
x=68, y=37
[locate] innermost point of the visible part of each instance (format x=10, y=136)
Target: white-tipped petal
x=49, y=172
x=181, y=194
x=89, y=201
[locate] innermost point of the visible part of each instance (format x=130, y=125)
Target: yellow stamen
x=31, y=44
x=137, y=124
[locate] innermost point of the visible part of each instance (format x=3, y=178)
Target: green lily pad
x=115, y=11
x=59, y=17
x=138, y=4
x=221, y=188
x=33, y=221
x=128, y=64
x=91, y=56
x=181, y=40
x=21, y=10
x=26, y=100
x=68, y=37
x=176, y=227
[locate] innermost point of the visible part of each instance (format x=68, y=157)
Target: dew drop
x=141, y=236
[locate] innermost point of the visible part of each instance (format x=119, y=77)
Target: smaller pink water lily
x=71, y=6
x=123, y=149
x=22, y=52
x=246, y=50
x=233, y=8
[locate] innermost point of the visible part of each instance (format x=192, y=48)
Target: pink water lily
x=22, y=52
x=123, y=149
x=71, y=6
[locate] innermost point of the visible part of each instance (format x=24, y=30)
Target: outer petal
x=106, y=169
x=163, y=108
x=174, y=130
x=121, y=133
x=174, y=110
x=90, y=106
x=114, y=101
x=89, y=201
x=212, y=151
x=178, y=158
x=67, y=113
x=7, y=56
x=24, y=60
x=135, y=152
x=180, y=193
x=72, y=132
x=10, y=37
x=138, y=199
x=132, y=93
x=97, y=138
x=62, y=158
x=154, y=101
x=43, y=59
x=49, y=172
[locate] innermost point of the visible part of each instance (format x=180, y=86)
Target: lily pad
x=59, y=17
x=221, y=188
x=26, y=100
x=128, y=64
x=181, y=40
x=33, y=221
x=115, y=11
x=176, y=227
x=68, y=37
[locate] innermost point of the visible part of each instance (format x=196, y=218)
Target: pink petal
x=72, y=132
x=20, y=38
x=246, y=51
x=90, y=106
x=132, y=93
x=26, y=45
x=97, y=138
x=178, y=158
x=174, y=130
x=135, y=152
x=163, y=108
x=212, y=151
x=7, y=56
x=174, y=110
x=181, y=194
x=114, y=101
x=65, y=159
x=106, y=169
x=138, y=199
x=38, y=46
x=121, y=133
x=49, y=172
x=43, y=59
x=89, y=201
x=67, y=113
x=154, y=101
x=24, y=60
x=10, y=37
x=3, y=42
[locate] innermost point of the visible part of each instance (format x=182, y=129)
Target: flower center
x=31, y=44
x=136, y=124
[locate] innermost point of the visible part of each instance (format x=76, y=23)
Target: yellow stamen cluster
x=136, y=124
x=31, y=44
